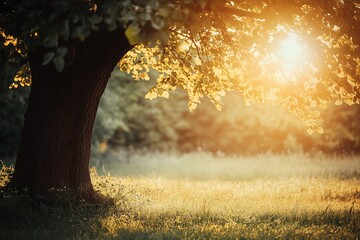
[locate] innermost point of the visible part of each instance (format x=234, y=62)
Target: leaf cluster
x=223, y=49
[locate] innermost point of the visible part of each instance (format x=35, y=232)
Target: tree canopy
x=206, y=47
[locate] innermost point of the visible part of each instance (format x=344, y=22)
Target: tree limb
x=239, y=13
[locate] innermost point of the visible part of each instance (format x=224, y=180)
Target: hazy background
x=127, y=123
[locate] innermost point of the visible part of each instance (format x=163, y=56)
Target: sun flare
x=292, y=55
x=292, y=51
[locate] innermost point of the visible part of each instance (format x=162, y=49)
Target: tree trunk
x=56, y=138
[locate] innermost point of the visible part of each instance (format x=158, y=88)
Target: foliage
x=221, y=52
x=208, y=47
x=13, y=106
x=12, y=109
x=322, y=206
x=5, y=174
x=125, y=119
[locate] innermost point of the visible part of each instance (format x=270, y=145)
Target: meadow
x=199, y=196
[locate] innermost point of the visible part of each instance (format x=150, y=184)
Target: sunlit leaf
x=132, y=34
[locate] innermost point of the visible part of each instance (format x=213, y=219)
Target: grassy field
x=201, y=196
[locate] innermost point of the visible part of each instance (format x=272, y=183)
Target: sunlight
x=291, y=50
x=292, y=55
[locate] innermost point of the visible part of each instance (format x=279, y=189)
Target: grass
x=200, y=196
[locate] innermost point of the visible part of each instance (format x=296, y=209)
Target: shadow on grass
x=23, y=217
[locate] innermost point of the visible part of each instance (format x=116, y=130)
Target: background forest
x=126, y=120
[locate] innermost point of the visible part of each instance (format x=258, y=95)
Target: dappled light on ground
x=318, y=204
x=160, y=207
x=200, y=196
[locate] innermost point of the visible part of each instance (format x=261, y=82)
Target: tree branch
x=240, y=13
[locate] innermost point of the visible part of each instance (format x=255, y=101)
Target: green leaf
x=51, y=40
x=59, y=63
x=61, y=51
x=77, y=31
x=48, y=57
x=132, y=34
x=95, y=19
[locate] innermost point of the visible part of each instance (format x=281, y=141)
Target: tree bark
x=56, y=138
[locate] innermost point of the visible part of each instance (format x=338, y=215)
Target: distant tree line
x=126, y=119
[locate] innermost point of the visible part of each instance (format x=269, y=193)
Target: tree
x=206, y=47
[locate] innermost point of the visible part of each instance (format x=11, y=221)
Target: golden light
x=292, y=51
x=292, y=56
